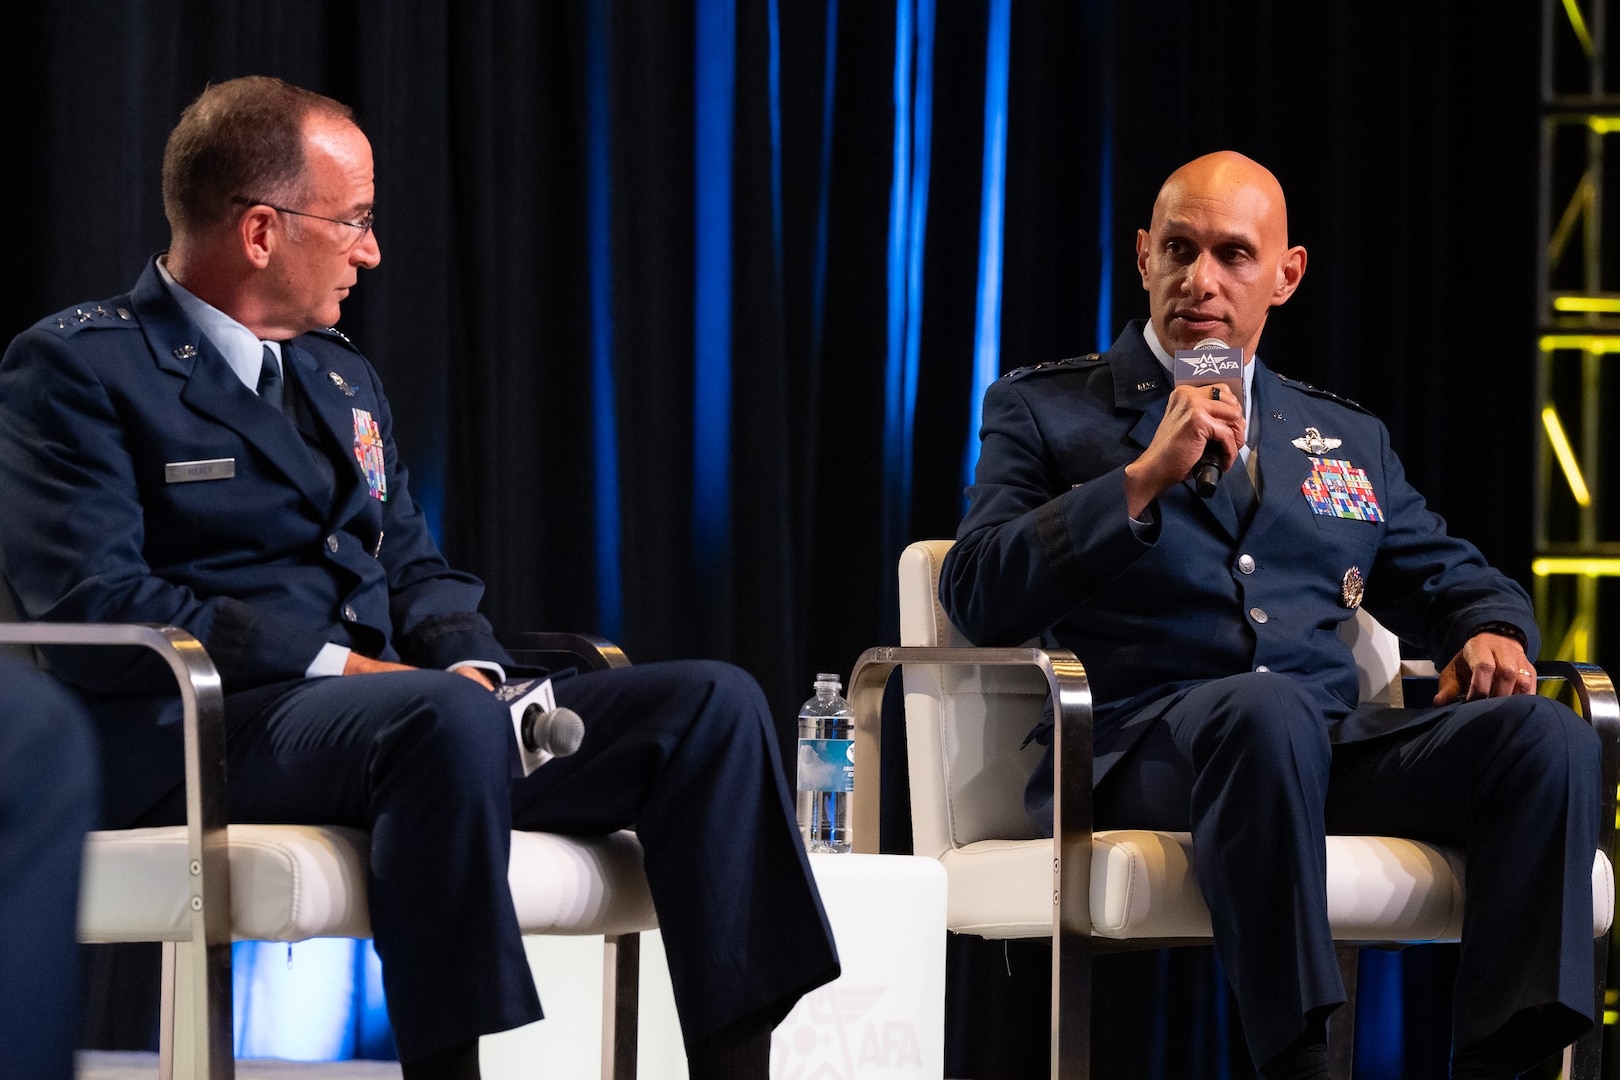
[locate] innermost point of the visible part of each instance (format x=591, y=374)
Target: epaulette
x=70, y=321
x=333, y=333
x=1319, y=392
x=1050, y=367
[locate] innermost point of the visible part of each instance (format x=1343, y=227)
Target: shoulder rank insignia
x=1300, y=384
x=1313, y=443
x=96, y=314
x=1051, y=366
x=334, y=333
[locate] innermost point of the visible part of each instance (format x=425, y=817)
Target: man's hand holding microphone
x=1202, y=431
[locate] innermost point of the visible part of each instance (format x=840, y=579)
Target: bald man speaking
x=1226, y=702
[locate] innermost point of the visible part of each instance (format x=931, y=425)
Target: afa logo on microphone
x=1210, y=363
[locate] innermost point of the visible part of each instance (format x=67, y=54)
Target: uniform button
x=1261, y=667
x=349, y=613
x=1258, y=614
x=332, y=544
x=1246, y=563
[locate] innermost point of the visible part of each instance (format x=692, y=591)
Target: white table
x=884, y=1017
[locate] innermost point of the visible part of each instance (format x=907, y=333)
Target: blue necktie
x=270, y=379
x=1244, y=497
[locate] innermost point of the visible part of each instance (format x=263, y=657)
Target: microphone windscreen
x=564, y=732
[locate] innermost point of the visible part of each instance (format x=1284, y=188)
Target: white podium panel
x=882, y=1019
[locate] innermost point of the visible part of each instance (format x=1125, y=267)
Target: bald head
x=1227, y=177
x=1215, y=258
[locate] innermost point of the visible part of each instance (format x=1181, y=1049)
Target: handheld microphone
x=1210, y=363
x=552, y=732
x=543, y=730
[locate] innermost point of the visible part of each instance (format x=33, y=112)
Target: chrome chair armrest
x=1071, y=808
x=593, y=653
x=1071, y=695
x=1598, y=703
x=203, y=728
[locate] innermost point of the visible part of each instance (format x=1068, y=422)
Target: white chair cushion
x=292, y=882
x=580, y=885
x=1142, y=886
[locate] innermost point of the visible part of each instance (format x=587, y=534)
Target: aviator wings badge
x=1313, y=443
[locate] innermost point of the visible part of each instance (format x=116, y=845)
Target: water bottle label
x=826, y=764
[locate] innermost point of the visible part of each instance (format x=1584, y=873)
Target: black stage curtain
x=1405, y=135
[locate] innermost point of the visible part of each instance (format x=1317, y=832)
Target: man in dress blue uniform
x=204, y=452
x=1226, y=702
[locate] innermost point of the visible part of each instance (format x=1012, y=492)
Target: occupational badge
x=1337, y=488
x=368, y=451
x=1352, y=587
x=1313, y=444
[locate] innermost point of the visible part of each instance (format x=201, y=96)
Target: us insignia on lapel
x=368, y=451
x=1337, y=488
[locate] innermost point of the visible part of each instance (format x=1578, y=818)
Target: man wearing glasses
x=206, y=452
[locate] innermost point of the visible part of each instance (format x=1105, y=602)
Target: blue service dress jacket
x=1047, y=549
x=143, y=482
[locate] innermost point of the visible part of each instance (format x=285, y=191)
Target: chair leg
x=1342, y=1042
x=1584, y=1060
x=1071, y=1007
x=621, y=991
x=167, y=1006
x=195, y=1026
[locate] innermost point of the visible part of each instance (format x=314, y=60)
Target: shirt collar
x=236, y=343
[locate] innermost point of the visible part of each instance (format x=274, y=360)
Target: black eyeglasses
x=364, y=224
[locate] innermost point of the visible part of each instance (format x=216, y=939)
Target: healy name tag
x=185, y=472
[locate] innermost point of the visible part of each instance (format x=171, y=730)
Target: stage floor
x=108, y=1065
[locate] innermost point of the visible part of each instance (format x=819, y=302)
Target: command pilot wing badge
x=1313, y=443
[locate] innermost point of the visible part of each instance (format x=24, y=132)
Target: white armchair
x=199, y=886
x=967, y=712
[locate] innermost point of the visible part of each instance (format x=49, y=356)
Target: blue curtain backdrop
x=686, y=309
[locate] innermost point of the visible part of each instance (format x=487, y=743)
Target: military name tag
x=187, y=472
x=1337, y=488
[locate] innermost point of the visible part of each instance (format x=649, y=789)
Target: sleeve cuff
x=1505, y=629
x=494, y=670
x=331, y=660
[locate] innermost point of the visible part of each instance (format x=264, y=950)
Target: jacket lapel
x=1283, y=466
x=212, y=388
x=333, y=413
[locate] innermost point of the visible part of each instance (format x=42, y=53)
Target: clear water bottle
x=826, y=767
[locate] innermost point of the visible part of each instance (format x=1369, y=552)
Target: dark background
x=1404, y=134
